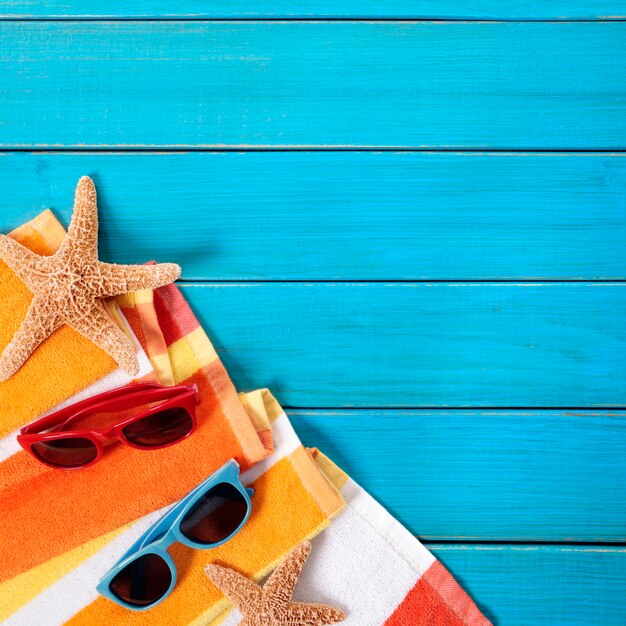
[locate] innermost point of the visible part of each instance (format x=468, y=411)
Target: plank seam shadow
x=211, y=148
x=321, y=18
x=150, y=150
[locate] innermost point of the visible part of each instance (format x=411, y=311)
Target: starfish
x=69, y=287
x=271, y=604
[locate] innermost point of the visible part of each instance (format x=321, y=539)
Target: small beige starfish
x=271, y=604
x=69, y=286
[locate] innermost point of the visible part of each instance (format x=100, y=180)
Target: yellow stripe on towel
x=19, y=591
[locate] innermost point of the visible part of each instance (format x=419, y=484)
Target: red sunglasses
x=170, y=418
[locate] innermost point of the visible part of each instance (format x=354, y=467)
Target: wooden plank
x=408, y=344
x=542, y=585
x=418, y=9
x=484, y=475
x=342, y=215
x=313, y=83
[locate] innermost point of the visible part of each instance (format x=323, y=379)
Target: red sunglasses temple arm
x=55, y=418
x=130, y=402
x=114, y=400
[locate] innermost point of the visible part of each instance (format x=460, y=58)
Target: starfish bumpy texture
x=271, y=604
x=68, y=288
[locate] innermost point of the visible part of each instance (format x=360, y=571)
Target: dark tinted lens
x=160, y=428
x=216, y=515
x=69, y=452
x=142, y=582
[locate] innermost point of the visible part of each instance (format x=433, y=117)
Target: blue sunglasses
x=206, y=518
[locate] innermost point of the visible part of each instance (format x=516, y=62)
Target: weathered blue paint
x=415, y=84
x=246, y=9
x=484, y=475
x=342, y=215
x=416, y=344
x=542, y=585
x=503, y=475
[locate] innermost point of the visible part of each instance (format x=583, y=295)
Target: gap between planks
x=242, y=148
x=313, y=18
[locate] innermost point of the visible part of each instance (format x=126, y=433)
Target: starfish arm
x=113, y=280
x=245, y=594
x=303, y=614
x=82, y=234
x=21, y=260
x=40, y=322
x=96, y=325
x=283, y=580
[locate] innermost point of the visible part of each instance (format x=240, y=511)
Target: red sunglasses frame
x=120, y=399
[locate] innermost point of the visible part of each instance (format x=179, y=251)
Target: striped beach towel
x=363, y=560
x=61, y=531
x=50, y=518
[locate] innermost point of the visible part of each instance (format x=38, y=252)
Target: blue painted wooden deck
x=407, y=219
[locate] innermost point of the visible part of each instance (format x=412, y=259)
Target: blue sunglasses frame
x=166, y=531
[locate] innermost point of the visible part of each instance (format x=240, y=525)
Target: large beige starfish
x=271, y=604
x=69, y=286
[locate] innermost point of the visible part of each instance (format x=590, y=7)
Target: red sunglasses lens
x=67, y=452
x=142, y=582
x=159, y=429
x=216, y=515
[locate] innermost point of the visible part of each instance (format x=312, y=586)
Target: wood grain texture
x=484, y=475
x=433, y=344
x=194, y=9
x=329, y=84
x=342, y=215
x=500, y=475
x=542, y=585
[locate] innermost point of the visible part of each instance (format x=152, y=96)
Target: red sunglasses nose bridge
x=106, y=435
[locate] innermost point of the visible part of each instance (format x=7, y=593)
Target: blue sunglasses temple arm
x=250, y=491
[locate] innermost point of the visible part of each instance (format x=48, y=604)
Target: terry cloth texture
x=363, y=561
x=293, y=501
x=46, y=513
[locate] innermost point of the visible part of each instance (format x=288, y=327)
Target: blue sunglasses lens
x=215, y=516
x=142, y=582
